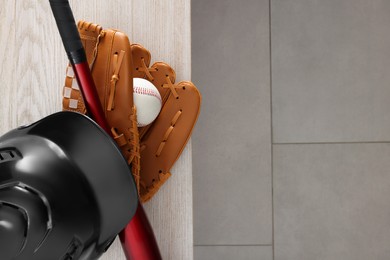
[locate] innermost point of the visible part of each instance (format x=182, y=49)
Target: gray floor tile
x=331, y=201
x=233, y=253
x=231, y=144
x=330, y=70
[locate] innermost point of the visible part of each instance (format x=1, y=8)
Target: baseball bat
x=138, y=240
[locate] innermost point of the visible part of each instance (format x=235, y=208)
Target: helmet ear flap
x=27, y=218
x=13, y=226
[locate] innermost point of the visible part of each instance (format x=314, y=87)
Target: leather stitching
x=168, y=132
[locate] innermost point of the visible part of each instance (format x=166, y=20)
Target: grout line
x=357, y=142
x=272, y=130
x=235, y=245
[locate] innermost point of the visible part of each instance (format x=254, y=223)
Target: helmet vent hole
x=74, y=250
x=8, y=155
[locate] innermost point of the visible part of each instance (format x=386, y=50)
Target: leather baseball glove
x=151, y=150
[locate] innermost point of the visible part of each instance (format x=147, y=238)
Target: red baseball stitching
x=146, y=91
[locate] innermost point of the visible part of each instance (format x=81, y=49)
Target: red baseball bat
x=138, y=240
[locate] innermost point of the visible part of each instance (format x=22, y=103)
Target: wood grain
x=7, y=56
x=32, y=73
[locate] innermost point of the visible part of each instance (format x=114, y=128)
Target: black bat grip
x=68, y=30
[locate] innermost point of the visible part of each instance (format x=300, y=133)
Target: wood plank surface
x=8, y=61
x=32, y=73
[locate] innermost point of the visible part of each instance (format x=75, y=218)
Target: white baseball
x=147, y=100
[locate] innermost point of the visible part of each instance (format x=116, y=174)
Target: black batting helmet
x=65, y=190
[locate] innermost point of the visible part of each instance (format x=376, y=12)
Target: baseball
x=147, y=100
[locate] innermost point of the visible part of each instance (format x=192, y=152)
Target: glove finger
x=167, y=137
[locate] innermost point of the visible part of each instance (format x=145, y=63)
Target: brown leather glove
x=113, y=63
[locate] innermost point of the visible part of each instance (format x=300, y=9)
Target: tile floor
x=291, y=152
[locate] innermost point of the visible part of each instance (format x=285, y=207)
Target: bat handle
x=74, y=48
x=68, y=30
